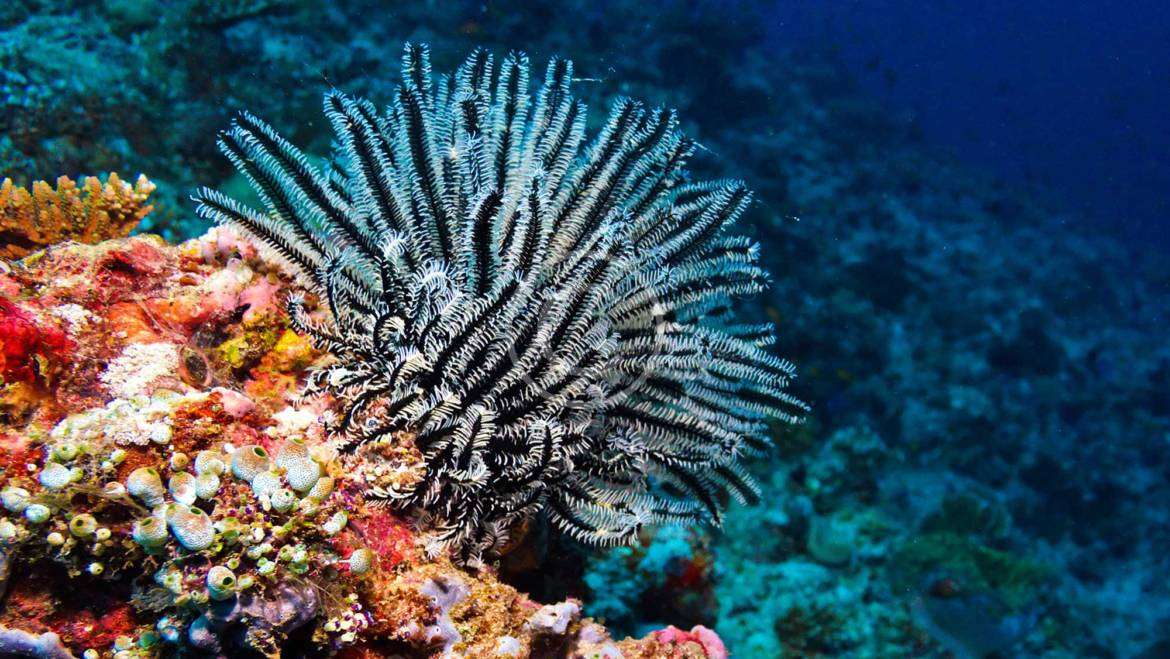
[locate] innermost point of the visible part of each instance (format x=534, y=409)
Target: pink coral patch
x=711, y=643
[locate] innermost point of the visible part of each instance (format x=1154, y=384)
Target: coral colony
x=473, y=320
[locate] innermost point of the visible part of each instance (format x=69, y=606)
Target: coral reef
x=961, y=338
x=191, y=495
x=90, y=213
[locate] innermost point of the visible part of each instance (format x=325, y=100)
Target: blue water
x=1071, y=95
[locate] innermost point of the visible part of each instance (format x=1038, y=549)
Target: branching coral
x=548, y=320
x=88, y=213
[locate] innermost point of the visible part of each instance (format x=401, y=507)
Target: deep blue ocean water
x=1071, y=94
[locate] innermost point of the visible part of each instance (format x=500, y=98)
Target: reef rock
x=165, y=489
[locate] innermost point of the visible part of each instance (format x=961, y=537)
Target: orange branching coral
x=89, y=213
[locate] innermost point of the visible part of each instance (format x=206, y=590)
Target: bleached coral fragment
x=293, y=421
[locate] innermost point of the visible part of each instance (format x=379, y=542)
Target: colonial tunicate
x=300, y=469
x=283, y=500
x=248, y=461
x=321, y=489
x=221, y=583
x=361, y=560
x=146, y=485
x=336, y=523
x=37, y=513
x=150, y=532
x=209, y=462
x=265, y=483
x=83, y=525
x=64, y=452
x=207, y=486
x=182, y=487
x=191, y=527
x=55, y=476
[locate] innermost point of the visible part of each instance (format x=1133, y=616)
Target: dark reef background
x=964, y=212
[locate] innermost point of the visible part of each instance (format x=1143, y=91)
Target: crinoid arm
x=547, y=314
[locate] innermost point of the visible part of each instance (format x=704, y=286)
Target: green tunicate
x=83, y=525
x=221, y=583
x=150, y=532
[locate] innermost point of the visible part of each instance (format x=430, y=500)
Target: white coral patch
x=74, y=315
x=139, y=365
x=508, y=646
x=293, y=421
x=123, y=422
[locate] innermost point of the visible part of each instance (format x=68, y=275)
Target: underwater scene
x=584, y=328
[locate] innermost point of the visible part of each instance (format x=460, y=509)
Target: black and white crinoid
x=548, y=318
